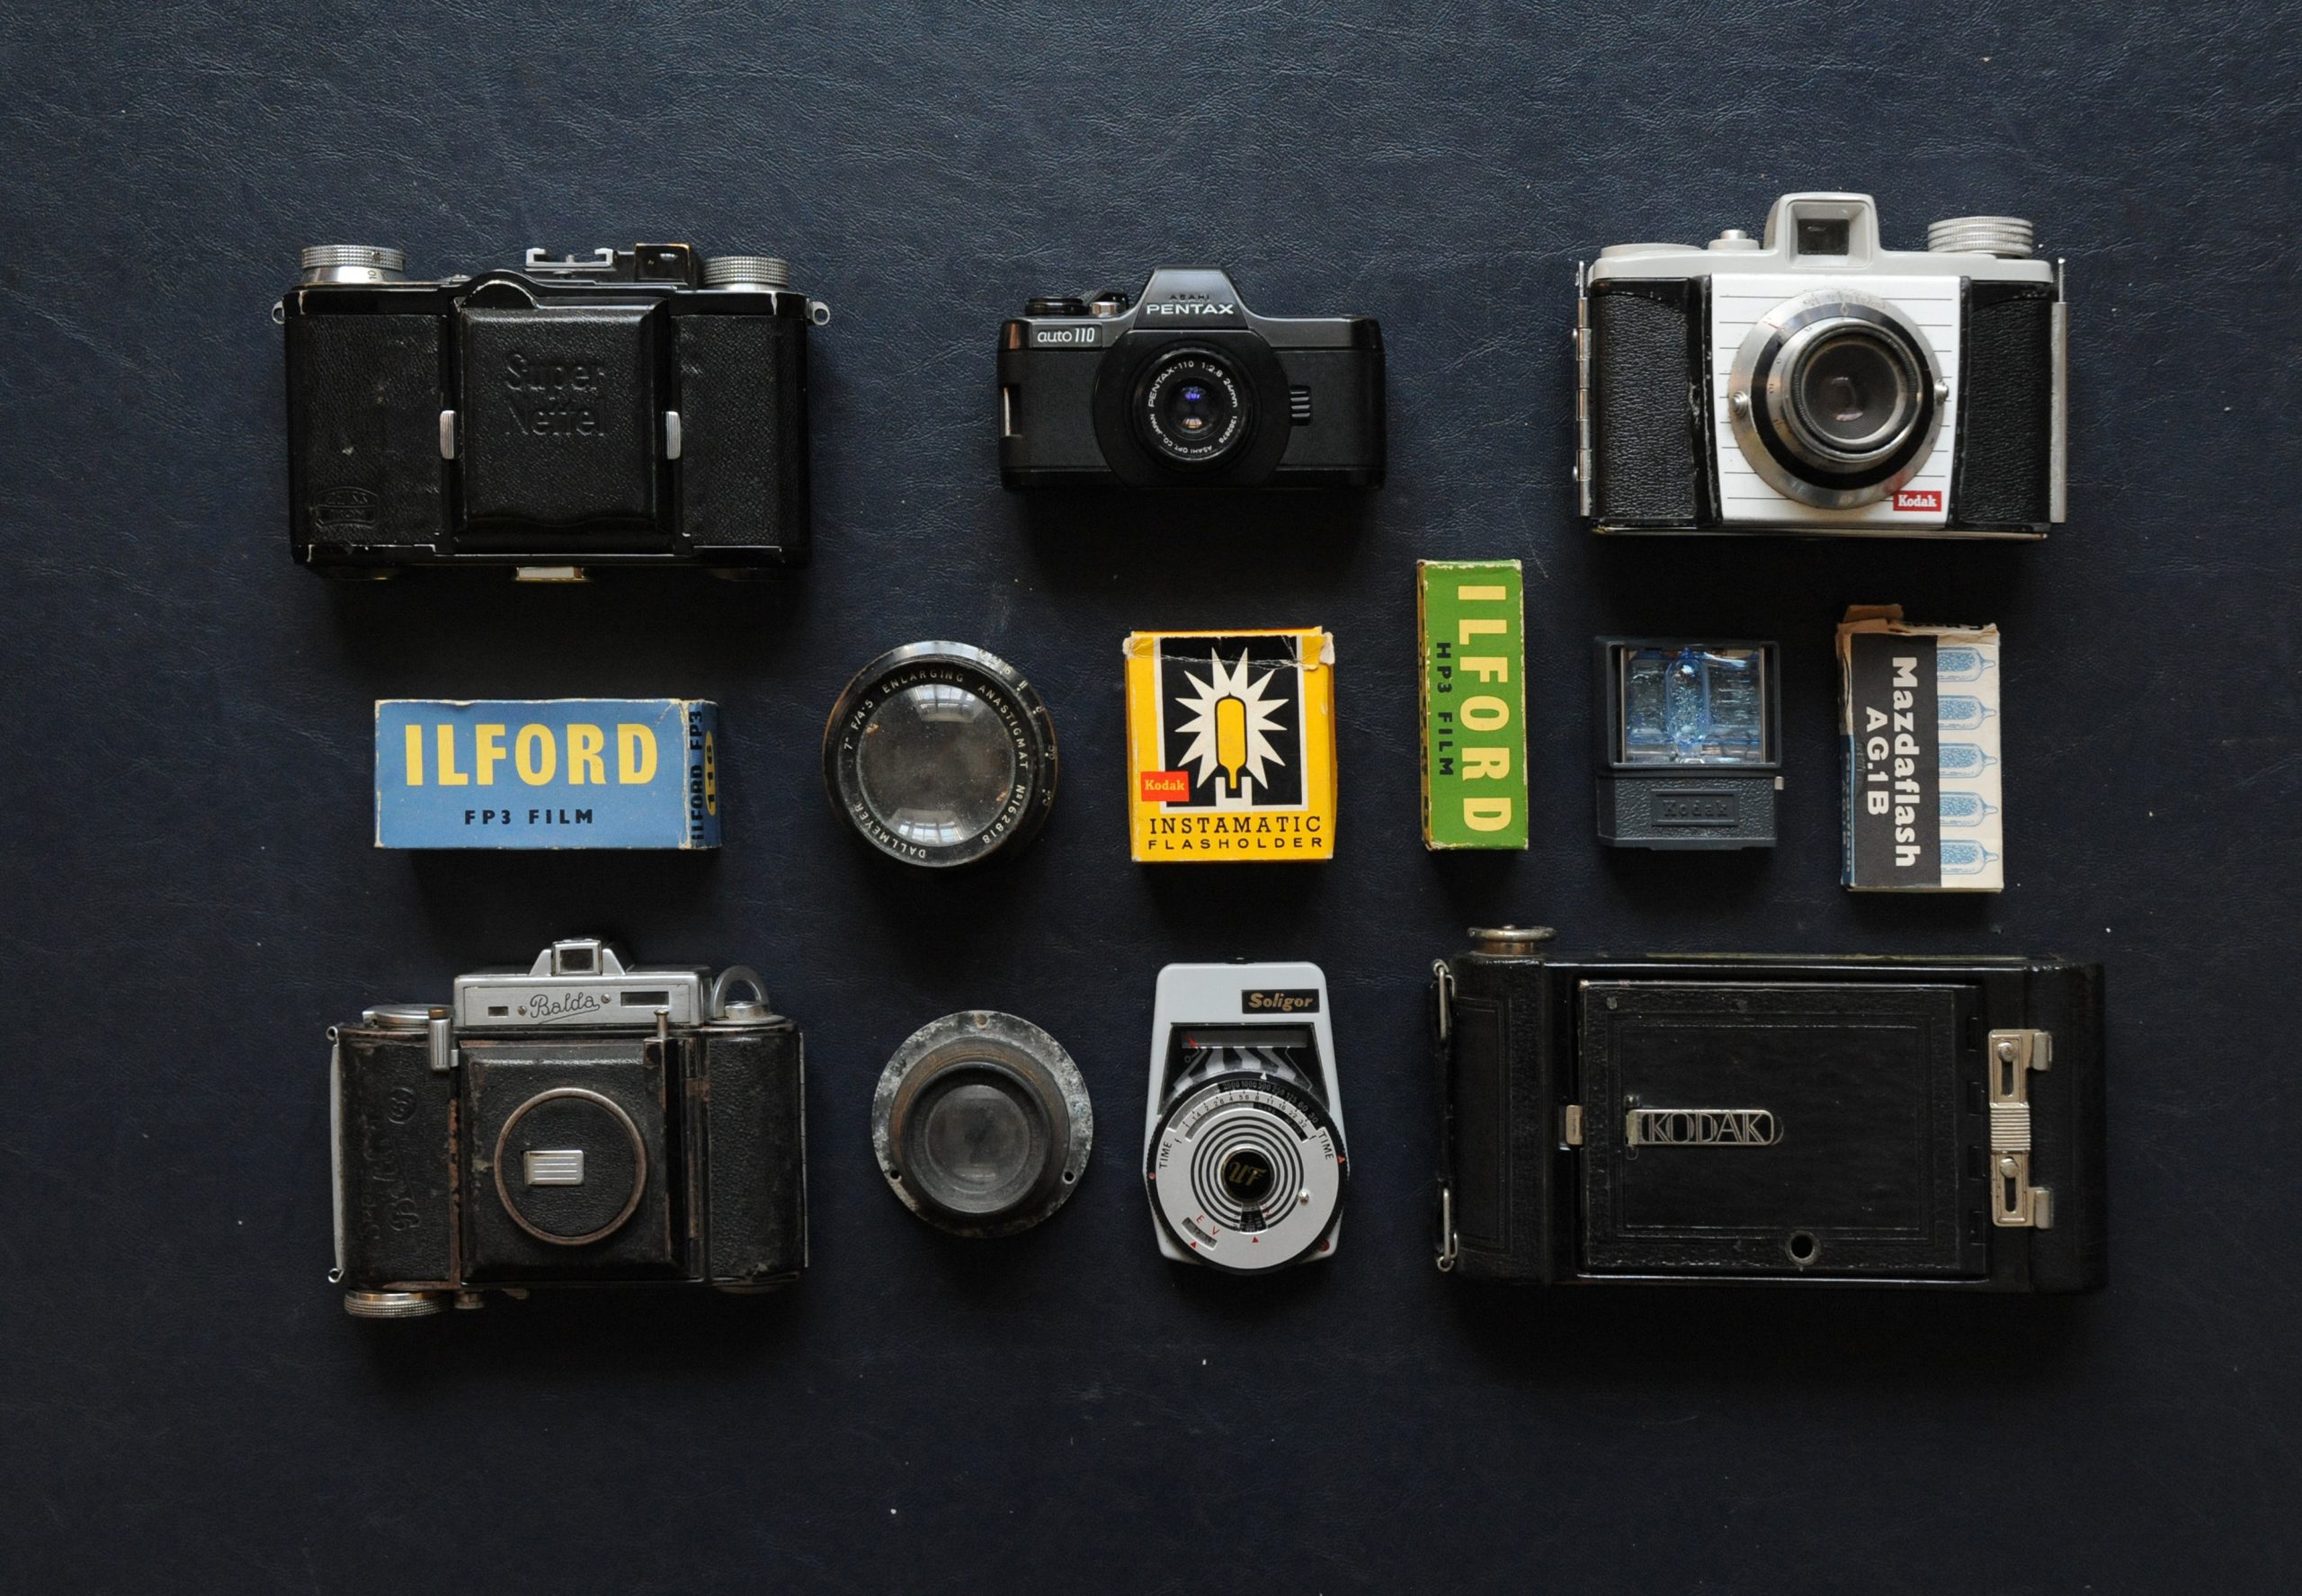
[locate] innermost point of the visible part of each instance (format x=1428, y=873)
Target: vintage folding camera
x=584, y=1122
x=1243, y=1135
x=1187, y=388
x=634, y=408
x=1814, y=381
x=1858, y=1121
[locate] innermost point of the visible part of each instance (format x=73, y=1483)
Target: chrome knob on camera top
x=353, y=262
x=2008, y=238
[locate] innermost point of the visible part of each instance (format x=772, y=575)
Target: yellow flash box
x=1230, y=746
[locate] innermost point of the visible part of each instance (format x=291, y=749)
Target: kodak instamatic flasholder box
x=1230, y=746
x=1470, y=618
x=1919, y=709
x=547, y=773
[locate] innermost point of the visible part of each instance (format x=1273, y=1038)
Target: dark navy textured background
x=188, y=898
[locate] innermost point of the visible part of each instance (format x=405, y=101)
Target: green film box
x=1470, y=620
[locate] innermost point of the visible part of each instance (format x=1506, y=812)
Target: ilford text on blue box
x=547, y=773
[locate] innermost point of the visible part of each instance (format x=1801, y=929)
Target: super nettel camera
x=1815, y=381
x=1186, y=387
x=642, y=407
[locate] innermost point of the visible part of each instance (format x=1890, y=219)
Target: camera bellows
x=981, y=1124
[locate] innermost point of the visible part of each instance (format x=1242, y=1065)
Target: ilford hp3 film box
x=547, y=773
x=1230, y=746
x=1470, y=620
x=1919, y=708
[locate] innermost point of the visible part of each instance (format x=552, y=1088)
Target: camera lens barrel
x=940, y=755
x=1193, y=407
x=1834, y=398
x=981, y=1124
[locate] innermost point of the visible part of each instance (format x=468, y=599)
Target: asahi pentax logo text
x=1191, y=308
x=1702, y=1128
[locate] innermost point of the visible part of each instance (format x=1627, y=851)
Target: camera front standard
x=583, y=1122
x=1815, y=381
x=631, y=407
x=1184, y=386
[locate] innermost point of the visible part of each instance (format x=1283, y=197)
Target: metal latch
x=1570, y=1125
x=442, y=1035
x=2014, y=1201
x=1583, y=457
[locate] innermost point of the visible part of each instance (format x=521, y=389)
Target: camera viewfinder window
x=1822, y=235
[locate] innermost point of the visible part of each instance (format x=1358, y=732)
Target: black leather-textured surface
x=749, y=1100
x=2006, y=427
x=190, y=897
x=1643, y=372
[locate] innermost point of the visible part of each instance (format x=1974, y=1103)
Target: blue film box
x=547, y=773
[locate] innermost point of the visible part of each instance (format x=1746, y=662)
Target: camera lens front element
x=1834, y=399
x=940, y=755
x=1193, y=407
x=570, y=1166
x=1853, y=393
x=1247, y=1171
x=934, y=764
x=981, y=1124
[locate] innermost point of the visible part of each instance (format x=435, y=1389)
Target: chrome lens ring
x=1807, y=456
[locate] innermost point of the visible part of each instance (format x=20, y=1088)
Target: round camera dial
x=981, y=1124
x=571, y=1166
x=1247, y=1172
x=1836, y=399
x=940, y=755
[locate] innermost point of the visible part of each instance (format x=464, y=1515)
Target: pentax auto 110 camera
x=584, y=1122
x=1185, y=386
x=1920, y=1122
x=1815, y=381
x=631, y=407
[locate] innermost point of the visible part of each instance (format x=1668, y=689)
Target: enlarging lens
x=981, y=1124
x=940, y=754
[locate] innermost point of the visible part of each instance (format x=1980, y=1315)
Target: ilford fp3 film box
x=1919, y=712
x=547, y=773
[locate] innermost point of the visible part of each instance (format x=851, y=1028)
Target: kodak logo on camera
x=1470, y=617
x=547, y=773
x=1231, y=746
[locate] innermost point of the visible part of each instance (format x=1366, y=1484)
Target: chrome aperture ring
x=1781, y=441
x=1248, y=1173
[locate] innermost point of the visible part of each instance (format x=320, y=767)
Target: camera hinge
x=2012, y=1054
x=1450, y=1245
x=1582, y=390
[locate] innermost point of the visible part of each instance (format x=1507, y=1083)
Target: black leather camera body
x=1932, y=1123
x=633, y=407
x=1186, y=387
x=1815, y=381
x=581, y=1123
